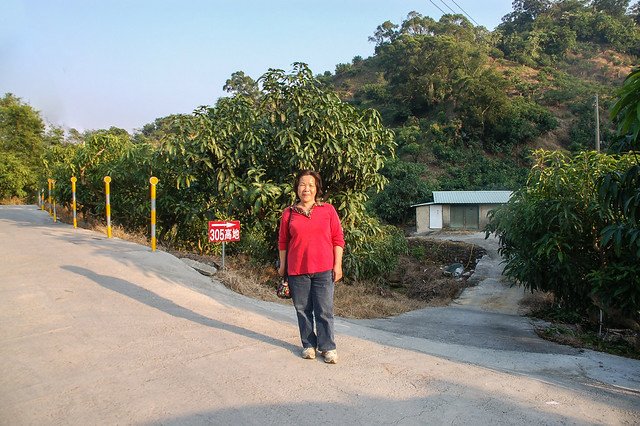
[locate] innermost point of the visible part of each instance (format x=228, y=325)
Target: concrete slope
x=483, y=327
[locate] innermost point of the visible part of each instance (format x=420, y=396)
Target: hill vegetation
x=468, y=105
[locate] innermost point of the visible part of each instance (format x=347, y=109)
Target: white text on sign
x=224, y=231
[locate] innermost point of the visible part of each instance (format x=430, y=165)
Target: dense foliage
x=468, y=105
x=541, y=31
x=22, y=144
x=240, y=157
x=555, y=235
x=237, y=160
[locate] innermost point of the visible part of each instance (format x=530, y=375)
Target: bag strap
x=286, y=273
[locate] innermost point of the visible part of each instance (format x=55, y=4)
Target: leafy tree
x=626, y=110
x=241, y=84
x=102, y=153
x=617, y=283
x=21, y=128
x=611, y=7
x=154, y=133
x=406, y=187
x=551, y=233
x=425, y=60
x=238, y=159
x=15, y=176
x=21, y=144
x=541, y=31
x=634, y=12
x=443, y=67
x=524, y=122
x=523, y=15
x=385, y=33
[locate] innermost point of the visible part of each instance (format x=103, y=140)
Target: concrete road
x=103, y=331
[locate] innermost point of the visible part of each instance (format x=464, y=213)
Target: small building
x=458, y=209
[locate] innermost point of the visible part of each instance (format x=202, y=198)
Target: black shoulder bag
x=283, y=288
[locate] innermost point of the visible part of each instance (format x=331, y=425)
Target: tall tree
x=21, y=146
x=634, y=12
x=611, y=7
x=21, y=129
x=238, y=159
x=241, y=84
x=626, y=110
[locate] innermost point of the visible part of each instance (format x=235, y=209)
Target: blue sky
x=93, y=64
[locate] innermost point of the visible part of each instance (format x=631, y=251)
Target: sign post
x=221, y=231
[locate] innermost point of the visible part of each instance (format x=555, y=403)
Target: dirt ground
x=417, y=282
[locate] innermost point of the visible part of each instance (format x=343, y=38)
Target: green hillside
x=468, y=105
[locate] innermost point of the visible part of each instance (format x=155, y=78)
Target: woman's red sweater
x=309, y=241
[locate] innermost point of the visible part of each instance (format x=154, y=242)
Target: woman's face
x=307, y=189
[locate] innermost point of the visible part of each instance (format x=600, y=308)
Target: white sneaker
x=309, y=353
x=330, y=357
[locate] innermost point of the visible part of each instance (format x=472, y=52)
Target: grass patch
x=417, y=281
x=15, y=201
x=568, y=327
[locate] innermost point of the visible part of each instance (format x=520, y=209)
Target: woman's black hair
x=316, y=177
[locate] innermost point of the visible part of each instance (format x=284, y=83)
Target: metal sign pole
x=223, y=244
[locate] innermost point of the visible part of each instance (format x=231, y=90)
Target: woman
x=311, y=244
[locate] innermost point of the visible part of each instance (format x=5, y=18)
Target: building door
x=457, y=217
x=465, y=216
x=435, y=216
x=471, y=217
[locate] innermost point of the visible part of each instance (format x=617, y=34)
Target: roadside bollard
x=53, y=188
x=42, y=199
x=49, y=206
x=107, y=180
x=154, y=182
x=73, y=199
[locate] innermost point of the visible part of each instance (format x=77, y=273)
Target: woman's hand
x=337, y=263
x=283, y=261
x=337, y=273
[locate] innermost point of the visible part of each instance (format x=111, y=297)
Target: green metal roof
x=468, y=197
x=471, y=197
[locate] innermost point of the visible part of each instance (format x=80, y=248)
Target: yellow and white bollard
x=42, y=199
x=53, y=188
x=73, y=200
x=49, y=207
x=107, y=191
x=154, y=182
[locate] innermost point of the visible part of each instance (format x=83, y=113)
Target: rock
x=453, y=270
x=203, y=268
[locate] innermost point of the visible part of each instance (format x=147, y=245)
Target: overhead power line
x=443, y=2
x=438, y=7
x=465, y=12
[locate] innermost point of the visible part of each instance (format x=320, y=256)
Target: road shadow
x=167, y=306
x=469, y=406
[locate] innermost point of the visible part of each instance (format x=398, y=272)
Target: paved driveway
x=485, y=316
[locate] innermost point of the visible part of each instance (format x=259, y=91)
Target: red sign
x=224, y=230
